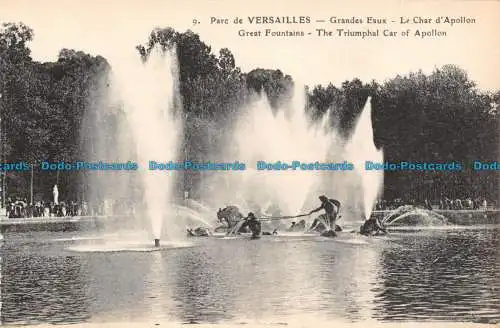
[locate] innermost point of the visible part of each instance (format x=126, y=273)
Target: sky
x=110, y=27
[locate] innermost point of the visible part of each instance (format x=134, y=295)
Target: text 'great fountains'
x=148, y=92
x=362, y=148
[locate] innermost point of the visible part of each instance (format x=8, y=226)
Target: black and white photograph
x=249, y=164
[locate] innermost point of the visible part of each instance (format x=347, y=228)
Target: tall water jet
x=362, y=148
x=148, y=94
x=285, y=135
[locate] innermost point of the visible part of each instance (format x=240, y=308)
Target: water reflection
x=159, y=293
x=440, y=275
x=250, y=283
x=454, y=275
x=117, y=285
x=199, y=287
x=300, y=267
x=43, y=289
x=348, y=275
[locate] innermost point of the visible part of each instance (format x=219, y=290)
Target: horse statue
x=229, y=217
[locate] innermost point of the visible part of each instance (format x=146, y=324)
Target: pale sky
x=109, y=26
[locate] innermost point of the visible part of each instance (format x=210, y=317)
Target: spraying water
x=362, y=148
x=284, y=137
x=413, y=216
x=148, y=95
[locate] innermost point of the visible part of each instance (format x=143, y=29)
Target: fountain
x=288, y=135
x=148, y=93
x=362, y=148
x=284, y=136
x=142, y=101
x=411, y=216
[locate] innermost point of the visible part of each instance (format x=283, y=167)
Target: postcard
x=265, y=163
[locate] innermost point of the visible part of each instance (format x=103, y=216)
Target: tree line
x=441, y=116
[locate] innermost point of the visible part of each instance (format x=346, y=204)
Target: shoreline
x=71, y=223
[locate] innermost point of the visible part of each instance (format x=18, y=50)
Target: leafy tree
x=441, y=116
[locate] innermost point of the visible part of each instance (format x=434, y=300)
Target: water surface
x=430, y=275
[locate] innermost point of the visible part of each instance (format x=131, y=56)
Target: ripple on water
x=427, y=277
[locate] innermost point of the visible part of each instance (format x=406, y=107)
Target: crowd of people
x=21, y=208
x=444, y=203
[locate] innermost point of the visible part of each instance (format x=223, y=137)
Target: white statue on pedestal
x=55, y=192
